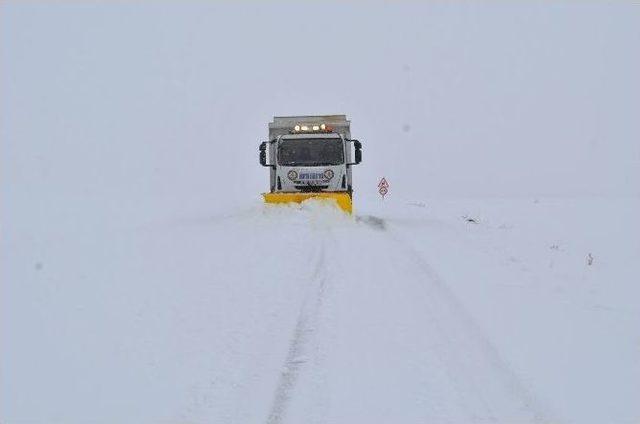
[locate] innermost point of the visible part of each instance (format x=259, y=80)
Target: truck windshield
x=311, y=152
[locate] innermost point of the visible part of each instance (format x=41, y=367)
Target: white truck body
x=310, y=154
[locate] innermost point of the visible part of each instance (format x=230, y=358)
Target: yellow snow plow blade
x=343, y=200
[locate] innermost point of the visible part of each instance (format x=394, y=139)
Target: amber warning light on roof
x=312, y=128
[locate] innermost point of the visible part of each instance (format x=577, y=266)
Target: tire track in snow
x=436, y=356
x=468, y=348
x=301, y=344
x=479, y=386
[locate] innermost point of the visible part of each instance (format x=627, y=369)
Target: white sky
x=117, y=99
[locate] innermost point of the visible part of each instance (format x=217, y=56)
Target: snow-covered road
x=380, y=337
x=406, y=312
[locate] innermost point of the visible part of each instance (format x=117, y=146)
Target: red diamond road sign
x=383, y=187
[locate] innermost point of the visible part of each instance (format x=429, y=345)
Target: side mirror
x=263, y=153
x=358, y=152
x=358, y=156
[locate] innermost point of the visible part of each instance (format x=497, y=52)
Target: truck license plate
x=311, y=176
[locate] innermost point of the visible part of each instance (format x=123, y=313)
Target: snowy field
x=142, y=279
x=288, y=315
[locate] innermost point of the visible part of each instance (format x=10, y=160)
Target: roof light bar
x=320, y=127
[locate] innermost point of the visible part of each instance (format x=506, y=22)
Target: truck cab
x=310, y=156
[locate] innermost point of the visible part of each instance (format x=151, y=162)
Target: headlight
x=328, y=174
x=292, y=175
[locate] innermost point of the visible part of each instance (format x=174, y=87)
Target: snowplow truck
x=310, y=157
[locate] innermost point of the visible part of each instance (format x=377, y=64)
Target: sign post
x=383, y=187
